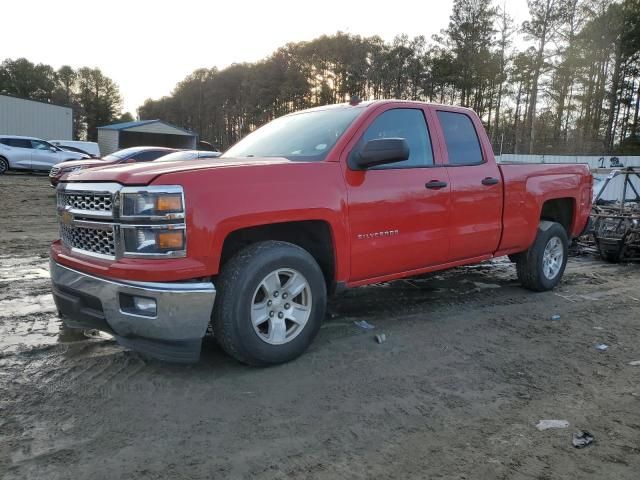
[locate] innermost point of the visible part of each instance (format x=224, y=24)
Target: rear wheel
x=541, y=267
x=271, y=301
x=4, y=166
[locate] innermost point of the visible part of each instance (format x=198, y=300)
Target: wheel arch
x=314, y=236
x=559, y=210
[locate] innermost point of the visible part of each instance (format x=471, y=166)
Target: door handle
x=490, y=181
x=435, y=184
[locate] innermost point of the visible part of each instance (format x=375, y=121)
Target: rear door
x=397, y=223
x=20, y=153
x=476, y=187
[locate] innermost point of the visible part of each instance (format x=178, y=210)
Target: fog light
x=135, y=305
x=145, y=305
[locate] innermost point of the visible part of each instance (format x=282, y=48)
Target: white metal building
x=32, y=118
x=154, y=133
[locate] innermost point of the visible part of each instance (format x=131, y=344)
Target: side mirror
x=380, y=151
x=53, y=149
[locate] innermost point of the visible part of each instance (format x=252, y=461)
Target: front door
x=398, y=213
x=42, y=156
x=476, y=189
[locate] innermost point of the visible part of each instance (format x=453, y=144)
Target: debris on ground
x=582, y=439
x=364, y=325
x=601, y=346
x=635, y=363
x=555, y=317
x=381, y=338
x=547, y=424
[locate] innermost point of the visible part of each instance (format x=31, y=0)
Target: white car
x=90, y=148
x=29, y=153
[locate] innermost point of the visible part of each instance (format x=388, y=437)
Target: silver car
x=30, y=153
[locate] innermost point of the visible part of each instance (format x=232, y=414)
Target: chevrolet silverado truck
x=250, y=244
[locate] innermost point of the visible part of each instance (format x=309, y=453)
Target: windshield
x=179, y=156
x=302, y=136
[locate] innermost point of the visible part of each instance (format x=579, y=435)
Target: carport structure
x=154, y=133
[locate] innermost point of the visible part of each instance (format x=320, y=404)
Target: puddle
x=28, y=305
x=28, y=317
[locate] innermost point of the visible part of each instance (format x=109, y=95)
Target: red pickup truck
x=312, y=203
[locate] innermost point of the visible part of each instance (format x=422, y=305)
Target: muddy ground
x=471, y=363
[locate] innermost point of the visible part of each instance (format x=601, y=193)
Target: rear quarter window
x=461, y=138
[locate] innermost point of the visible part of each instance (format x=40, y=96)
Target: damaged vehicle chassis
x=616, y=223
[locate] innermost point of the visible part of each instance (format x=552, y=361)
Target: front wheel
x=271, y=301
x=4, y=166
x=541, y=267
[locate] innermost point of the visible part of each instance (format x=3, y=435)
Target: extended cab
x=314, y=202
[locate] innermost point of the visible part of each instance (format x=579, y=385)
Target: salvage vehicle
x=30, y=153
x=616, y=216
x=127, y=155
x=310, y=204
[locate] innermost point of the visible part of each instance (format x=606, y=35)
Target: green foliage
x=574, y=88
x=94, y=98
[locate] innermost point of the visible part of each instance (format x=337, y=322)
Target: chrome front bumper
x=174, y=333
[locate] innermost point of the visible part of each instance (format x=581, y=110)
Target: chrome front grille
x=86, y=201
x=93, y=239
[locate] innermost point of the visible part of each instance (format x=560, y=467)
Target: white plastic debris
x=547, y=424
x=381, y=338
x=555, y=317
x=635, y=363
x=601, y=346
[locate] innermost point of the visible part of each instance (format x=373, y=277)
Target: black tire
x=4, y=166
x=236, y=286
x=530, y=263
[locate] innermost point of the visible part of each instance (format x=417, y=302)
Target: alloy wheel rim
x=281, y=306
x=552, y=258
x=3, y=167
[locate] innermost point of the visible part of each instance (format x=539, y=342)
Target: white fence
x=594, y=161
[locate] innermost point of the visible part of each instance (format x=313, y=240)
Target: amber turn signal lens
x=169, y=203
x=171, y=240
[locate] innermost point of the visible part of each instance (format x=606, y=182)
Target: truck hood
x=145, y=173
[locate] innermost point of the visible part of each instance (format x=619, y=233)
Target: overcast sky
x=148, y=46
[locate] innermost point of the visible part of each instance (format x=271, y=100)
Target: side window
x=38, y=145
x=19, y=142
x=407, y=123
x=149, y=155
x=461, y=138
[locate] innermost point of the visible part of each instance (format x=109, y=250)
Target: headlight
x=152, y=202
x=154, y=240
x=71, y=169
x=158, y=213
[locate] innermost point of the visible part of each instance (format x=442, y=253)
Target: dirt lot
x=471, y=363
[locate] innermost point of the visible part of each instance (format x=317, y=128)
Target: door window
x=148, y=155
x=39, y=145
x=17, y=142
x=461, y=139
x=407, y=123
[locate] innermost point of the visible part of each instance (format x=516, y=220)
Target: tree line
x=94, y=97
x=572, y=87
x=566, y=80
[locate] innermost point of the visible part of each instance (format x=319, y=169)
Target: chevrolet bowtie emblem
x=66, y=217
